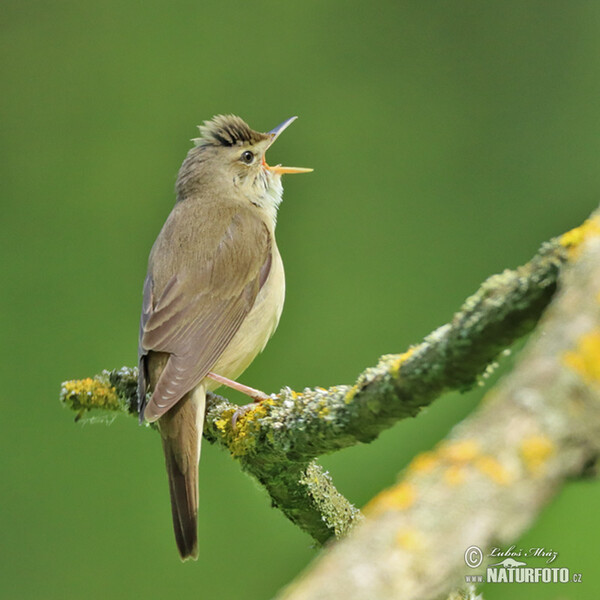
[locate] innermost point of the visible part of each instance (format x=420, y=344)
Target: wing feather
x=193, y=308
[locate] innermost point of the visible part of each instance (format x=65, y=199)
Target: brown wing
x=194, y=305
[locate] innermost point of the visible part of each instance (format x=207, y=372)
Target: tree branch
x=277, y=441
x=487, y=482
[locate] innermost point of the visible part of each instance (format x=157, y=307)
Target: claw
x=240, y=412
x=257, y=397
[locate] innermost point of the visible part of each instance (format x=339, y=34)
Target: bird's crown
x=227, y=130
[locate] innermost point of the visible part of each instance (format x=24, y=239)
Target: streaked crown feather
x=227, y=130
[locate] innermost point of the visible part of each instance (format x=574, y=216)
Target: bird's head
x=231, y=156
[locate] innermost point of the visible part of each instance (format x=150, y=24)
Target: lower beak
x=278, y=169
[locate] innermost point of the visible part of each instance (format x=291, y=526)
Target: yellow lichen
x=573, y=239
x=224, y=422
x=454, y=475
x=585, y=359
x=535, y=451
x=409, y=539
x=242, y=439
x=493, y=469
x=324, y=410
x=351, y=393
x=399, y=497
x=88, y=394
x=399, y=361
x=460, y=451
x=423, y=463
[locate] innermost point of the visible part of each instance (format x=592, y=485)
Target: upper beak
x=278, y=169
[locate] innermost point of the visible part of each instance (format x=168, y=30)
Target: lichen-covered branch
x=279, y=439
x=487, y=482
x=302, y=490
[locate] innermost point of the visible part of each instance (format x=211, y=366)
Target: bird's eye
x=247, y=157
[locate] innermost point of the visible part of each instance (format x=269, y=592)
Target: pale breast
x=257, y=328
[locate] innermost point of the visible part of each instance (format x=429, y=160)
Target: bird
x=212, y=296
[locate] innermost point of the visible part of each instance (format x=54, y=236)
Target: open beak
x=278, y=169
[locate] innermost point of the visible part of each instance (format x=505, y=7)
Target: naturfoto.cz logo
x=511, y=570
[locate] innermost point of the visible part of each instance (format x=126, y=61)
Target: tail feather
x=181, y=432
x=183, y=488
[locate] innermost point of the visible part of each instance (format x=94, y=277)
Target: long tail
x=181, y=432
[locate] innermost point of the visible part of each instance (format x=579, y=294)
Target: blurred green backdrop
x=448, y=140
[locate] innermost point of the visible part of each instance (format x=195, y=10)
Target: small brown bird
x=213, y=296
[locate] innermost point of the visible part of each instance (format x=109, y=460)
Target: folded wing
x=203, y=303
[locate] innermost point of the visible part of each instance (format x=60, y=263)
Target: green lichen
x=337, y=513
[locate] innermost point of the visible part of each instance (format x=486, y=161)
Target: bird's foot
x=240, y=412
x=256, y=395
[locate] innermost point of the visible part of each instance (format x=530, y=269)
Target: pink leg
x=256, y=395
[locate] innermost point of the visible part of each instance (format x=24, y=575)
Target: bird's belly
x=256, y=329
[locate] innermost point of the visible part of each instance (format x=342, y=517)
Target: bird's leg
x=256, y=395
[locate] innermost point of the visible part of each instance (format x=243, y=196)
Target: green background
x=449, y=139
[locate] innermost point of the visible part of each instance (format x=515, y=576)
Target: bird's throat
x=268, y=195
